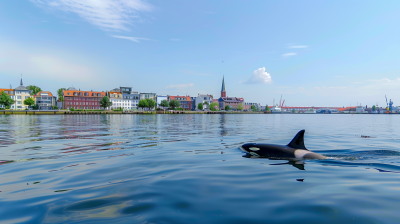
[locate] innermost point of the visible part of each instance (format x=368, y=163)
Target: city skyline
x=312, y=53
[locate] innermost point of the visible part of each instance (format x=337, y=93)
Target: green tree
x=240, y=106
x=267, y=108
x=373, y=108
x=214, y=106
x=293, y=111
x=6, y=100
x=60, y=94
x=29, y=101
x=174, y=103
x=253, y=108
x=34, y=89
x=227, y=107
x=200, y=106
x=151, y=103
x=164, y=103
x=143, y=103
x=206, y=103
x=105, y=102
x=54, y=107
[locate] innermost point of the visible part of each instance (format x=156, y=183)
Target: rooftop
x=21, y=88
x=41, y=92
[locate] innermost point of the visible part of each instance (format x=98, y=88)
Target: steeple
x=223, y=92
x=21, y=84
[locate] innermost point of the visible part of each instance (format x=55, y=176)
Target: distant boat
x=276, y=110
x=310, y=112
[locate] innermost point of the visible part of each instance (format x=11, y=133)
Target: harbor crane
x=389, y=106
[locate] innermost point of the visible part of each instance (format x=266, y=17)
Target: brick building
x=78, y=99
x=186, y=101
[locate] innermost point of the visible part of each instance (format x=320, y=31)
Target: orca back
x=298, y=141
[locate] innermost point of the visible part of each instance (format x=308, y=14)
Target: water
x=189, y=169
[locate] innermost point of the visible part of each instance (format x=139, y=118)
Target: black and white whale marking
x=294, y=150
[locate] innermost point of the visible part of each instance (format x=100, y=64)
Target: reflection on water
x=188, y=169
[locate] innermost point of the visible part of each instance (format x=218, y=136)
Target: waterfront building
x=202, y=98
x=124, y=97
x=59, y=104
x=224, y=101
x=21, y=93
x=186, y=102
x=161, y=98
x=130, y=98
x=233, y=102
x=148, y=96
x=9, y=92
x=115, y=97
x=193, y=103
x=45, y=100
x=78, y=99
x=247, y=106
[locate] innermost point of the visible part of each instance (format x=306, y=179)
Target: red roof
x=187, y=98
x=39, y=93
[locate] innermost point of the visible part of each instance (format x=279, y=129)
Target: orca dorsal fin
x=298, y=141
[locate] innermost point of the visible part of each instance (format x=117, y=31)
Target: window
x=86, y=94
x=19, y=102
x=26, y=97
x=75, y=93
x=68, y=94
x=18, y=97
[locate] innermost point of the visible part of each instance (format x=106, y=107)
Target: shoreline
x=30, y=112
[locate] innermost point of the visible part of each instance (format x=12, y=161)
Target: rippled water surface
x=189, y=169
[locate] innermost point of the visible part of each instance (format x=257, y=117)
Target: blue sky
x=314, y=53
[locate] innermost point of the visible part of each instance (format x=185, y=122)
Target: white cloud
x=180, y=86
x=259, y=76
x=289, y=54
x=298, y=46
x=174, y=39
x=105, y=14
x=134, y=39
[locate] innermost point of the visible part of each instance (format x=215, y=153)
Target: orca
x=295, y=150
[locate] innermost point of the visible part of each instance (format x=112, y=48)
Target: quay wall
x=30, y=112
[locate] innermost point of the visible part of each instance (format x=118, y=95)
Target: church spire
x=21, y=81
x=223, y=92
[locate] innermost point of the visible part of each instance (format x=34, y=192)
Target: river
x=189, y=169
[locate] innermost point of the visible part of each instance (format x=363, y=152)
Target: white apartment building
x=124, y=98
x=202, y=98
x=21, y=93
